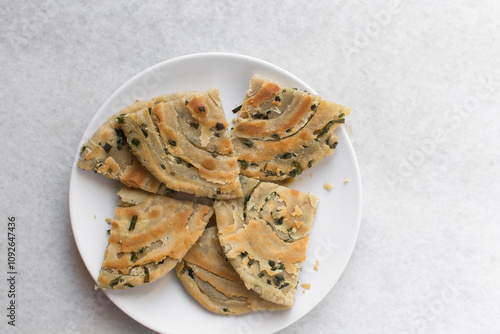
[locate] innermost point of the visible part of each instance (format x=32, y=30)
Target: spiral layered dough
x=282, y=131
x=265, y=235
x=212, y=281
x=108, y=153
x=185, y=144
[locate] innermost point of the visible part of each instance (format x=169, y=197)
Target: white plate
x=164, y=305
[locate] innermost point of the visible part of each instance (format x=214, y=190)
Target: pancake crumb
x=346, y=180
x=306, y=286
x=316, y=265
x=327, y=186
x=108, y=220
x=297, y=211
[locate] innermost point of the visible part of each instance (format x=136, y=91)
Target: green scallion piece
x=121, y=119
x=243, y=164
x=107, y=147
x=235, y=110
x=132, y=223
x=134, y=257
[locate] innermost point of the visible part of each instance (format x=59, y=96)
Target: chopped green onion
x=132, y=223
x=235, y=110
x=133, y=257
x=107, y=147
x=121, y=119
x=247, y=143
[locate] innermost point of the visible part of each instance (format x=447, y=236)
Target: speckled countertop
x=423, y=81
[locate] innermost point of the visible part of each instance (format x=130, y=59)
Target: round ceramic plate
x=164, y=305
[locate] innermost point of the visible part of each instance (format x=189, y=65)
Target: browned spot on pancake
x=265, y=92
x=250, y=127
x=155, y=212
x=158, y=111
x=198, y=107
x=209, y=163
x=225, y=146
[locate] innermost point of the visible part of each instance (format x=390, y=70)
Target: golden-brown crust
x=174, y=146
x=279, y=135
x=266, y=91
x=107, y=152
x=265, y=236
x=266, y=128
x=149, y=235
x=212, y=281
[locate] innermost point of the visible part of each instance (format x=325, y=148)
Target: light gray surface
x=423, y=81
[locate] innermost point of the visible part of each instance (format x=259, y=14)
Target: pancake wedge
x=212, y=281
x=265, y=235
x=149, y=235
x=107, y=151
x=282, y=131
x=185, y=144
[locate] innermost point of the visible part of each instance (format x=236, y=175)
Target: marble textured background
x=423, y=81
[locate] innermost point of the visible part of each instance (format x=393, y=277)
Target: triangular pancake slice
x=149, y=235
x=281, y=131
x=107, y=151
x=185, y=144
x=265, y=235
x=212, y=281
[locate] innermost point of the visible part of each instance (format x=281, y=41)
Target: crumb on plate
x=306, y=286
x=327, y=186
